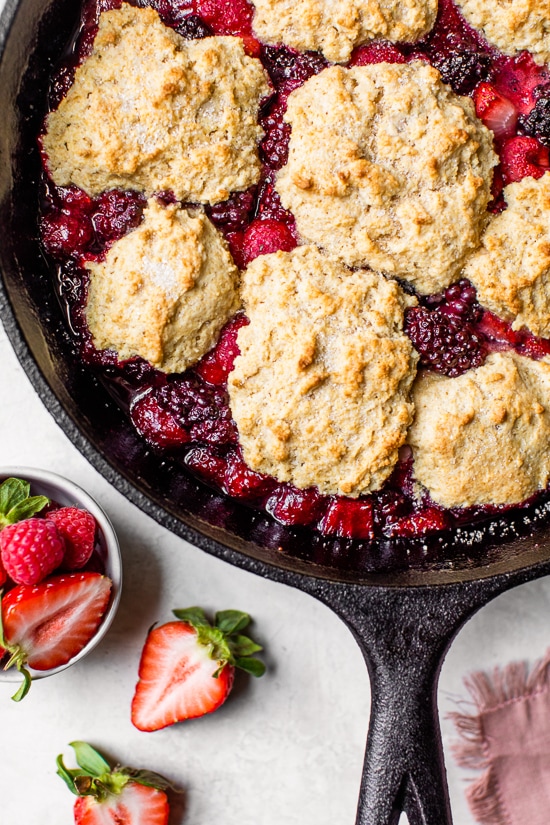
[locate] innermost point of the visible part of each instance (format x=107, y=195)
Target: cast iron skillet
x=403, y=605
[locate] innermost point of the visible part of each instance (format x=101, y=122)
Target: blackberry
x=235, y=213
x=290, y=69
x=446, y=343
x=537, y=123
x=192, y=27
x=115, y=213
x=200, y=409
x=274, y=144
x=463, y=70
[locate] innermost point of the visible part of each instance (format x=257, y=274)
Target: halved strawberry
x=118, y=795
x=187, y=667
x=45, y=625
x=497, y=112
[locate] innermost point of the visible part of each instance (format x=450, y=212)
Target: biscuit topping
x=511, y=270
x=512, y=26
x=164, y=290
x=336, y=28
x=482, y=438
x=388, y=168
x=320, y=392
x=151, y=111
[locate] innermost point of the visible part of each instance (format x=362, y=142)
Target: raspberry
x=65, y=235
x=31, y=549
x=349, y=518
x=518, y=79
x=269, y=203
x=207, y=465
x=523, y=157
x=218, y=363
x=377, y=52
x=265, y=236
x=77, y=528
x=156, y=424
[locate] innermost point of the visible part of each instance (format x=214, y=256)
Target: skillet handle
x=404, y=634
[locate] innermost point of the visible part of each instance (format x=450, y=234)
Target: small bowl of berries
x=60, y=574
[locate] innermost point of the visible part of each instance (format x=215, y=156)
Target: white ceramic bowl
x=68, y=494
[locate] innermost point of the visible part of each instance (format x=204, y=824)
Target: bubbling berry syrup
x=188, y=416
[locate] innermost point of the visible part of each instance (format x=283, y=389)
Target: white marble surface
x=284, y=750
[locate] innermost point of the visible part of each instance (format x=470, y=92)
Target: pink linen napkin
x=508, y=738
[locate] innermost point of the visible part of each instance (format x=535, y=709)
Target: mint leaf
x=231, y=621
x=12, y=492
x=195, y=616
x=89, y=759
x=26, y=509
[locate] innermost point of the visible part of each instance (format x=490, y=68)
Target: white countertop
x=286, y=749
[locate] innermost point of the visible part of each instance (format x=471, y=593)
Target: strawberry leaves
x=223, y=640
x=96, y=777
x=16, y=503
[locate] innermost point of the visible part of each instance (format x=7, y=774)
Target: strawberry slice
x=113, y=795
x=46, y=624
x=497, y=112
x=187, y=667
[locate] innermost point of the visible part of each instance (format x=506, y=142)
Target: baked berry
x=31, y=549
x=115, y=213
x=463, y=70
x=158, y=426
x=377, y=52
x=349, y=518
x=523, y=157
x=294, y=507
x=77, y=528
x=269, y=203
x=265, y=236
x=428, y=519
x=226, y=16
x=274, y=144
x=537, y=123
x=235, y=213
x=497, y=112
x=65, y=235
x=289, y=69
x=445, y=336
x=242, y=482
x=218, y=363
x=202, y=410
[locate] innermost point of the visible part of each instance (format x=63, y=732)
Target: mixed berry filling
x=188, y=416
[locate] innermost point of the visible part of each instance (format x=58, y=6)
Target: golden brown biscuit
x=320, y=392
x=164, y=290
x=512, y=25
x=388, y=168
x=336, y=28
x=151, y=111
x=482, y=438
x=511, y=269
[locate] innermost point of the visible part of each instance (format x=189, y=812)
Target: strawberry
x=109, y=794
x=187, y=667
x=31, y=550
x=77, y=529
x=349, y=519
x=45, y=625
x=523, y=157
x=267, y=235
x=497, y=112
